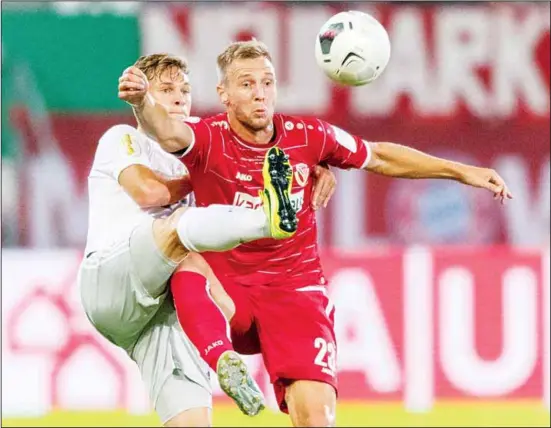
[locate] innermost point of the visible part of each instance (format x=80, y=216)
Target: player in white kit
x=136, y=226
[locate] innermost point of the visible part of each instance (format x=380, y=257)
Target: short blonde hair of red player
x=250, y=49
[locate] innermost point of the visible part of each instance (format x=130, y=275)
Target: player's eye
x=167, y=90
x=246, y=84
x=268, y=82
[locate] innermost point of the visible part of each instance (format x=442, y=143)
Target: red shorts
x=293, y=328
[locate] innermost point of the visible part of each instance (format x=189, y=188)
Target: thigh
x=183, y=403
x=150, y=268
x=296, y=330
x=109, y=298
x=196, y=417
x=123, y=286
x=176, y=378
x=246, y=342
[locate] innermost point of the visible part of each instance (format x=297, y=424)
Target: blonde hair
x=156, y=64
x=250, y=49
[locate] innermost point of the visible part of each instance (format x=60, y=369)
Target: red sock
x=203, y=322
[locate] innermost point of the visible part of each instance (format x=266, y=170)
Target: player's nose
x=259, y=94
x=179, y=98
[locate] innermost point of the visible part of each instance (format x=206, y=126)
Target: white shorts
x=125, y=296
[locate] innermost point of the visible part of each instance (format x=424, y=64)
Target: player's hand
x=488, y=179
x=324, y=186
x=133, y=86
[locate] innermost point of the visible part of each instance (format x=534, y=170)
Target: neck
x=261, y=136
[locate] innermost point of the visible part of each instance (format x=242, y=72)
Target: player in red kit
x=279, y=306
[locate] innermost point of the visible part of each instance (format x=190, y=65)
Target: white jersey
x=113, y=214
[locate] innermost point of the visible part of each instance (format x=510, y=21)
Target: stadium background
x=442, y=295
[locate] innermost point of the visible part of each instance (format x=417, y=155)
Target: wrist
x=457, y=171
x=137, y=107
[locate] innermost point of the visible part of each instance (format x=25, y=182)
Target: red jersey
x=226, y=170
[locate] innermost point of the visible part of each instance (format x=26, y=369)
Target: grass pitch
x=444, y=414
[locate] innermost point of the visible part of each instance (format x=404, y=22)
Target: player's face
x=250, y=93
x=172, y=89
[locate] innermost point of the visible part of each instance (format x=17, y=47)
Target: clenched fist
x=133, y=86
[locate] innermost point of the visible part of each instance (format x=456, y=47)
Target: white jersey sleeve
x=120, y=147
x=178, y=169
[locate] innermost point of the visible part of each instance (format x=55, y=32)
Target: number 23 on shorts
x=326, y=357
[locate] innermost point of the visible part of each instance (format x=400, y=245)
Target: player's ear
x=222, y=94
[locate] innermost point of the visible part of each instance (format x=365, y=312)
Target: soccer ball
x=352, y=48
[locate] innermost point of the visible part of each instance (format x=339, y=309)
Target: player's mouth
x=178, y=114
x=260, y=111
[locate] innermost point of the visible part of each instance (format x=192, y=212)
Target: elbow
x=377, y=162
x=386, y=160
x=152, y=195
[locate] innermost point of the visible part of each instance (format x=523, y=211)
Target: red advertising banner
x=416, y=325
x=429, y=324
x=488, y=60
x=468, y=82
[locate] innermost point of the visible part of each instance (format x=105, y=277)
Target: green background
x=73, y=60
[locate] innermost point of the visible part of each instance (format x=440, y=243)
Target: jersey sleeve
x=343, y=150
x=178, y=169
x=197, y=152
x=120, y=147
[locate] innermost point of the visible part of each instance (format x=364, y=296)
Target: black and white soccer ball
x=352, y=48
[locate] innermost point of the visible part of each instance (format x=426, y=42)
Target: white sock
x=221, y=227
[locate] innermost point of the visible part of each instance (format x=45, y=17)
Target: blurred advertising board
x=469, y=81
x=415, y=325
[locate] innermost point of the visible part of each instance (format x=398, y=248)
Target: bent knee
x=165, y=234
x=173, y=218
x=168, y=225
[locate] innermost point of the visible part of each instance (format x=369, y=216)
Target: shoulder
x=219, y=121
x=216, y=121
x=122, y=140
x=116, y=132
x=315, y=126
x=209, y=130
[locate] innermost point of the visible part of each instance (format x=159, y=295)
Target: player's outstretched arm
x=168, y=129
x=396, y=160
x=149, y=189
